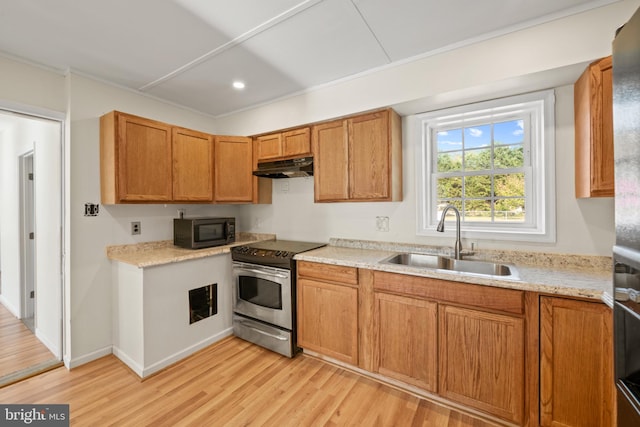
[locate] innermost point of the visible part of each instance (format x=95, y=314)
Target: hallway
x=21, y=353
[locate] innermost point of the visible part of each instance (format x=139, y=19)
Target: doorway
x=31, y=243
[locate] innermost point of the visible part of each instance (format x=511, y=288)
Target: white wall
x=48, y=219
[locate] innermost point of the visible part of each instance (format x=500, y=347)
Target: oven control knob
x=284, y=254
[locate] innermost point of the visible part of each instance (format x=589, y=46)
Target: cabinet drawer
x=328, y=272
x=486, y=297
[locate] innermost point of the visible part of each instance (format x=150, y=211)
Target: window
x=494, y=161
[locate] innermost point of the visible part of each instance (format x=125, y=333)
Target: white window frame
x=539, y=165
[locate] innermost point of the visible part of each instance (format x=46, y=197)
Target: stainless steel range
x=264, y=293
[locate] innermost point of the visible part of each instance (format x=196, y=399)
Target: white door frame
x=55, y=116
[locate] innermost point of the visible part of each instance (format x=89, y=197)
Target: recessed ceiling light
x=238, y=84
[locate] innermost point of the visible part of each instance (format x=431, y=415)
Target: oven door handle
x=253, y=328
x=264, y=272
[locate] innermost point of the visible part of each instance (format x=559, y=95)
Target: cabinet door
x=482, y=360
x=593, y=114
x=144, y=160
x=328, y=319
x=269, y=146
x=233, y=169
x=331, y=161
x=369, y=157
x=192, y=166
x=576, y=366
x=602, y=160
x=296, y=142
x=406, y=340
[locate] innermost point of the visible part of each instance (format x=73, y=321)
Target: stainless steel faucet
x=458, y=245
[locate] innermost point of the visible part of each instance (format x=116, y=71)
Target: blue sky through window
x=510, y=132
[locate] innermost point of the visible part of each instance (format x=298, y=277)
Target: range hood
x=292, y=168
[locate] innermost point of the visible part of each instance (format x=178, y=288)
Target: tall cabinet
x=593, y=110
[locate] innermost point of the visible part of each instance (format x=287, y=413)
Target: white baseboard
x=132, y=364
x=145, y=371
x=77, y=361
x=14, y=310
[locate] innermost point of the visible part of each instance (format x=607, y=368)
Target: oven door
x=263, y=293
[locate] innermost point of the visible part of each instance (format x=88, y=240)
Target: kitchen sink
x=445, y=264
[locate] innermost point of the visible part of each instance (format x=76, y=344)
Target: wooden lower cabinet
x=576, y=363
x=328, y=311
x=482, y=360
x=406, y=340
x=521, y=357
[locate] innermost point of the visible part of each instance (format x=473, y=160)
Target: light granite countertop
x=559, y=274
x=149, y=254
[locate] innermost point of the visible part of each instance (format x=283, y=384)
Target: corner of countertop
x=147, y=254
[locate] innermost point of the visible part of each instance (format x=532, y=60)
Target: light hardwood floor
x=21, y=353
x=231, y=383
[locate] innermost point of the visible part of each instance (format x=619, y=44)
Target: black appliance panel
x=259, y=291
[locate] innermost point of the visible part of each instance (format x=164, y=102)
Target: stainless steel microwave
x=203, y=232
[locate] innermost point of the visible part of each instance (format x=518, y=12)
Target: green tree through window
x=482, y=175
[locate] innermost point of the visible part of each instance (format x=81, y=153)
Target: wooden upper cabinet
x=145, y=161
x=576, y=366
x=296, y=143
x=233, y=182
x=192, y=166
x=269, y=147
x=369, y=157
x=135, y=159
x=284, y=145
x=593, y=109
x=331, y=161
x=358, y=158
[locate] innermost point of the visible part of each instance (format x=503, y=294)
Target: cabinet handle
x=278, y=337
x=265, y=273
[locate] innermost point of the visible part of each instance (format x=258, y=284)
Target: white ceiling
x=189, y=51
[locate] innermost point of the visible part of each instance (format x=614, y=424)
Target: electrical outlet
x=136, y=228
x=284, y=185
x=91, y=209
x=382, y=223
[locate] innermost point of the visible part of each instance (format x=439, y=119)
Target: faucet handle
x=466, y=252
